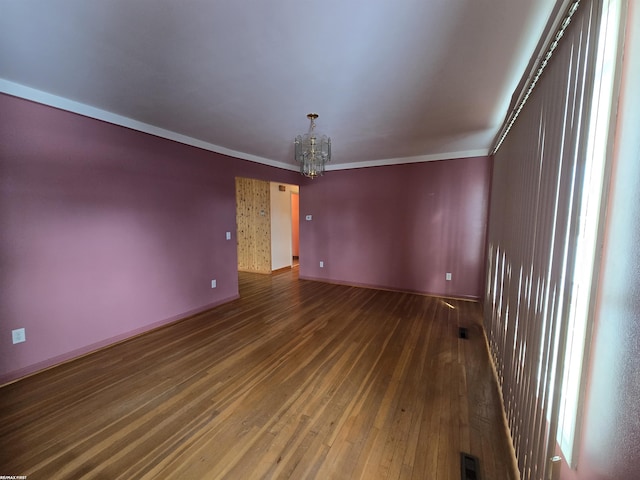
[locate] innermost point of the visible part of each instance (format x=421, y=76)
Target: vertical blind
x=533, y=224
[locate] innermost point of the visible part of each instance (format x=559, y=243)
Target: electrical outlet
x=214, y=283
x=18, y=335
x=228, y=235
x=321, y=264
x=308, y=218
x=447, y=276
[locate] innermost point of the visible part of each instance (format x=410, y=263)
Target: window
x=590, y=207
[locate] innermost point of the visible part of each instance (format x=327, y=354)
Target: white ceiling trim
x=45, y=98
x=418, y=159
x=39, y=96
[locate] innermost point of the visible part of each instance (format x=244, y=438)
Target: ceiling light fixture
x=312, y=151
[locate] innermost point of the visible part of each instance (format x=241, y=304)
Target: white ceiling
x=389, y=79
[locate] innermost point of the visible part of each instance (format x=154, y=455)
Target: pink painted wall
x=400, y=227
x=106, y=232
x=609, y=447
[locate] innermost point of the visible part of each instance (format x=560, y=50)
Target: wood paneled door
x=253, y=219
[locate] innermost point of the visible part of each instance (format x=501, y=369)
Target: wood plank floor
x=296, y=379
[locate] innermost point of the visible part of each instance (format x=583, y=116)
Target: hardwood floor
x=296, y=379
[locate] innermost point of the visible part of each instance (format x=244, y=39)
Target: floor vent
x=463, y=333
x=469, y=467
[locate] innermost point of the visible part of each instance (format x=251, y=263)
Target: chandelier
x=312, y=151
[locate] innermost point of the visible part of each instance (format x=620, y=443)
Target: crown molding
x=38, y=96
x=44, y=98
x=417, y=159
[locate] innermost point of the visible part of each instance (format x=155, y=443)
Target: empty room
x=320, y=240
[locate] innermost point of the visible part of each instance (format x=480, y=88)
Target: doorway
x=267, y=219
x=295, y=227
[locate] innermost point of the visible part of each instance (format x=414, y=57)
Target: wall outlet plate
x=18, y=335
x=447, y=276
x=321, y=264
x=214, y=283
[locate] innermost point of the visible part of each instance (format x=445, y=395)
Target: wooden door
x=253, y=218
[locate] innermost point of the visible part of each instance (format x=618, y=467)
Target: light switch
x=228, y=235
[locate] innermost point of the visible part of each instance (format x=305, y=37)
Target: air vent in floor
x=469, y=467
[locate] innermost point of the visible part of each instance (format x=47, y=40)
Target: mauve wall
x=610, y=442
x=106, y=232
x=399, y=227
